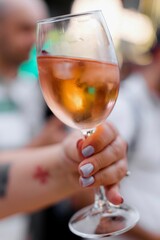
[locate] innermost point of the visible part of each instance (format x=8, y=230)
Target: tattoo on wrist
x=41, y=175
x=4, y=178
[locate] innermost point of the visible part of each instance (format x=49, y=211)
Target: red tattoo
x=41, y=175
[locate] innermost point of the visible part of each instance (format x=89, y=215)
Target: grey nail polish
x=88, y=151
x=87, y=169
x=86, y=181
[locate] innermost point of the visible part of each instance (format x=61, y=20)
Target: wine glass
x=79, y=78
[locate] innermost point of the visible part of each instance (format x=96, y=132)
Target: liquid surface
x=79, y=92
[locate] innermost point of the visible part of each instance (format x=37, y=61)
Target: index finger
x=104, y=135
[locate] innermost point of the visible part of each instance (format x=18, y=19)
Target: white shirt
x=137, y=115
x=21, y=118
x=21, y=112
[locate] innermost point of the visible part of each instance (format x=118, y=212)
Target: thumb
x=113, y=194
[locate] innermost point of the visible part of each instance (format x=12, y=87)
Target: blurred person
x=20, y=98
x=29, y=65
x=136, y=115
x=22, y=108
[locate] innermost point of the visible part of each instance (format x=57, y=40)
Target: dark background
x=60, y=7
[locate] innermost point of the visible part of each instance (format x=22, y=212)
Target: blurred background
x=132, y=25
x=144, y=13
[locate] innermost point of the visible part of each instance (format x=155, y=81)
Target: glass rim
x=67, y=16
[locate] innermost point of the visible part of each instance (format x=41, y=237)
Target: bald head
x=2, y=9
x=37, y=8
x=18, y=28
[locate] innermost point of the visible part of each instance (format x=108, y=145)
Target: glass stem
x=100, y=199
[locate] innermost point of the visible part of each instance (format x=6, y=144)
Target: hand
x=101, y=158
x=53, y=132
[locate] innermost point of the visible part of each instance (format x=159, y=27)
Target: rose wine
x=80, y=92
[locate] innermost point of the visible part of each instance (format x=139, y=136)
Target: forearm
x=37, y=141
x=34, y=180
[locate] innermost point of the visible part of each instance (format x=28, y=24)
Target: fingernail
x=86, y=181
x=122, y=200
x=79, y=143
x=88, y=151
x=87, y=169
x=44, y=52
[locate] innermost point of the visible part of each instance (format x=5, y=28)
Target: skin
x=36, y=174
x=52, y=132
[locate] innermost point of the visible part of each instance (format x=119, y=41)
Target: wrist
x=64, y=172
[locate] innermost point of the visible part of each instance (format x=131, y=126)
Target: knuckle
x=101, y=178
x=124, y=146
x=110, y=130
x=112, y=174
x=116, y=149
x=119, y=147
x=112, y=127
x=97, y=162
x=122, y=169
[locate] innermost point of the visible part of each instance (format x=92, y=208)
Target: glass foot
x=94, y=223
